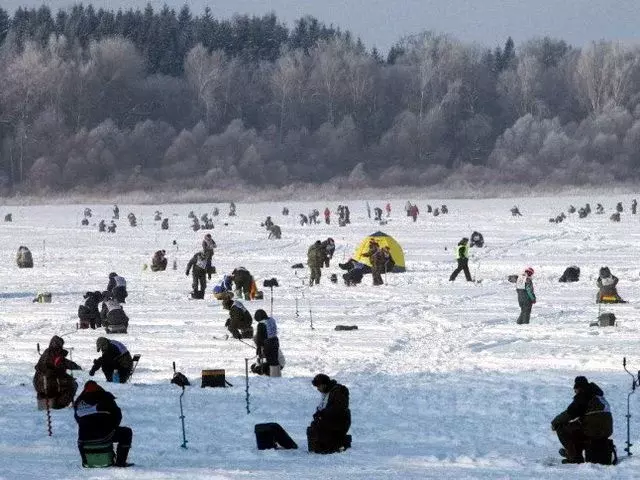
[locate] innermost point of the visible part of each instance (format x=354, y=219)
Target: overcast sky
x=381, y=22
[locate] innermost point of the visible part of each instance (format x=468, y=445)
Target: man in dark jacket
x=462, y=257
x=315, y=261
x=266, y=339
x=159, y=261
x=118, y=287
x=89, y=313
x=586, y=421
x=198, y=266
x=239, y=321
x=208, y=247
x=115, y=358
x=329, y=246
x=98, y=417
x=332, y=420
x=112, y=315
x=51, y=380
x=242, y=279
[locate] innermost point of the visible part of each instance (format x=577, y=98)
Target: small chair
x=97, y=455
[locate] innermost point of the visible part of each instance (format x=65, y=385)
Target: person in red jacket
x=388, y=209
x=413, y=212
x=327, y=215
x=98, y=417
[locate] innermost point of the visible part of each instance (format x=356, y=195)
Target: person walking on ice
x=462, y=256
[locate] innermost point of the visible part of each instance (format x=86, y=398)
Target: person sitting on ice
x=159, y=261
x=117, y=286
x=332, y=419
x=607, y=291
x=51, y=381
x=98, y=417
x=112, y=315
x=585, y=425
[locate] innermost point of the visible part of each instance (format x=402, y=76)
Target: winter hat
x=529, y=271
x=320, y=379
x=581, y=382
x=113, y=274
x=101, y=343
x=92, y=386
x=605, y=272
x=56, y=342
x=227, y=303
x=260, y=315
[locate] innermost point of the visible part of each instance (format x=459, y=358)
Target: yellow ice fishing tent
x=383, y=240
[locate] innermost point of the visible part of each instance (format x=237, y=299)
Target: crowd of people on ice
x=583, y=428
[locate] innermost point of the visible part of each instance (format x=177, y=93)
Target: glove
x=92, y=372
x=187, y=273
x=209, y=275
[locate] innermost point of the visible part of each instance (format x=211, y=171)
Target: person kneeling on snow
x=239, y=321
x=607, y=293
x=115, y=359
x=98, y=417
x=332, y=420
x=266, y=339
x=224, y=289
x=261, y=367
x=586, y=424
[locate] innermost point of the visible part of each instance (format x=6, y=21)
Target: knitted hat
x=91, y=386
x=260, y=315
x=320, y=379
x=101, y=343
x=581, y=382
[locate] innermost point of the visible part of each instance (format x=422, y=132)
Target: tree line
x=131, y=100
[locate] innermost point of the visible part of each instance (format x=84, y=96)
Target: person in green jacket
x=526, y=295
x=462, y=256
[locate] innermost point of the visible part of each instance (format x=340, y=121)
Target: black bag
x=272, y=435
x=607, y=320
x=346, y=327
x=602, y=451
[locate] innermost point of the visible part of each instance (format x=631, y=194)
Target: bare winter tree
x=328, y=72
x=287, y=75
x=605, y=72
x=205, y=74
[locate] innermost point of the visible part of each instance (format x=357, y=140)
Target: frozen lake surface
x=443, y=382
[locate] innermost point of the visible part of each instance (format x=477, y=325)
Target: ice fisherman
x=586, y=424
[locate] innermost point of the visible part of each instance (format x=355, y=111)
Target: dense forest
x=133, y=100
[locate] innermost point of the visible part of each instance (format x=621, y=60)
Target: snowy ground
x=443, y=383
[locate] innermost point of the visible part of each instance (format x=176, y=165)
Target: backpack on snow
x=571, y=274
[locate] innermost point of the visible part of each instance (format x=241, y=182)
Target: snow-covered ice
x=443, y=383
